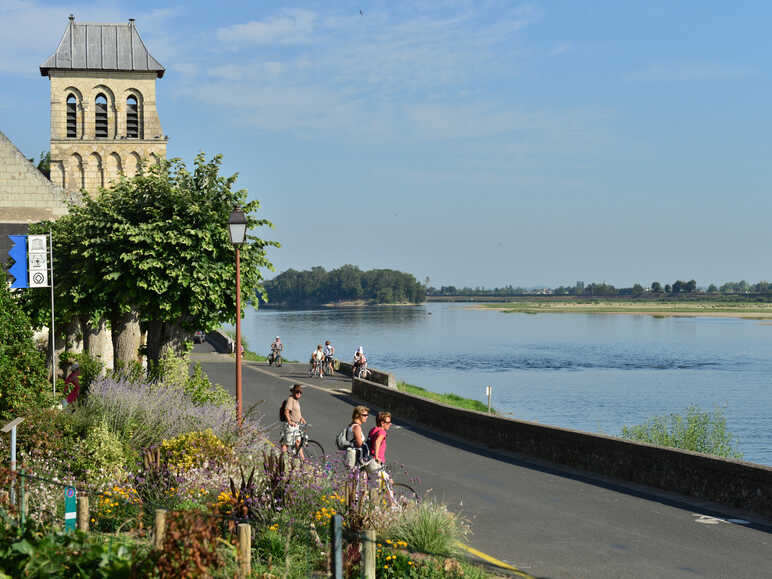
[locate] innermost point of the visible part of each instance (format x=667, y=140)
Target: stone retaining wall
x=729, y=482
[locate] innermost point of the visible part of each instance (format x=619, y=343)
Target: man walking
x=293, y=418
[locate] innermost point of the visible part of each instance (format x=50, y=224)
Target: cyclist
x=360, y=361
x=276, y=349
x=290, y=431
x=317, y=358
x=329, y=352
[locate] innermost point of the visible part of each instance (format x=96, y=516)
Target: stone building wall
x=26, y=196
x=90, y=162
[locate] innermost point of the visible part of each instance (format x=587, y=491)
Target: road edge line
x=493, y=561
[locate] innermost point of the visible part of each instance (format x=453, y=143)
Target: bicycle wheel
x=404, y=494
x=314, y=452
x=277, y=361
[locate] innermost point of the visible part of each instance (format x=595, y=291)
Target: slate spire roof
x=114, y=47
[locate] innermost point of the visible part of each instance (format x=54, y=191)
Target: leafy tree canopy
x=317, y=286
x=157, y=243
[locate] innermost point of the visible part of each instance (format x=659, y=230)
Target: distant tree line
x=347, y=283
x=602, y=289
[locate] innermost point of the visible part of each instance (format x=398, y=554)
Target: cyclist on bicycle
x=276, y=349
x=317, y=358
x=290, y=431
x=360, y=361
x=329, y=352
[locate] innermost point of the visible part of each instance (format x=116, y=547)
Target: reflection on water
x=590, y=372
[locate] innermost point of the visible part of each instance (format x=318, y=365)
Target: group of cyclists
x=322, y=358
x=366, y=452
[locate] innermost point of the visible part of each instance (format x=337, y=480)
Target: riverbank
x=718, y=309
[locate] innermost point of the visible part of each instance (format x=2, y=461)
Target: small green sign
x=70, y=508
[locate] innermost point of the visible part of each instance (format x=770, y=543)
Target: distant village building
x=104, y=120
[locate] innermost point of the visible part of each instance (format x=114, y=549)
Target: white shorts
x=289, y=434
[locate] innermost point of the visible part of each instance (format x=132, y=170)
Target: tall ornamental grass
x=697, y=431
x=429, y=527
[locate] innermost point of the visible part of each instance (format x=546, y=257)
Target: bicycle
x=327, y=366
x=316, y=369
x=362, y=372
x=397, y=494
x=275, y=358
x=312, y=449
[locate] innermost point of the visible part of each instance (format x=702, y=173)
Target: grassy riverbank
x=713, y=308
x=449, y=399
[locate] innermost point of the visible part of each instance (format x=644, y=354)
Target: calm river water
x=590, y=372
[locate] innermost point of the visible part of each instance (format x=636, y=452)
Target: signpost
x=70, y=508
x=30, y=254
x=488, y=393
x=11, y=427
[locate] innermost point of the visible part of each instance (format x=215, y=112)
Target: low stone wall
x=383, y=378
x=729, y=482
x=221, y=342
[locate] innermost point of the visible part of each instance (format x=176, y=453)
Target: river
x=590, y=372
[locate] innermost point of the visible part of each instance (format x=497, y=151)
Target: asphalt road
x=545, y=520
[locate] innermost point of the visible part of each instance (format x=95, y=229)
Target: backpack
x=282, y=408
x=342, y=441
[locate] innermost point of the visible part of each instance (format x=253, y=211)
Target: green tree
x=696, y=430
x=656, y=287
x=637, y=289
x=22, y=367
x=712, y=289
x=157, y=244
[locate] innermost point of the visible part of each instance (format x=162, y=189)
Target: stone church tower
x=103, y=109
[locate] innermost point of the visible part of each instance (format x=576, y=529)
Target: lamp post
x=237, y=227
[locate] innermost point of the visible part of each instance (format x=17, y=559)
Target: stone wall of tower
x=90, y=162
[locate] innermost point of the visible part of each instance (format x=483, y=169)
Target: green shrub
x=90, y=369
x=22, y=367
x=697, y=431
x=173, y=370
x=194, y=450
x=32, y=553
x=99, y=457
x=429, y=527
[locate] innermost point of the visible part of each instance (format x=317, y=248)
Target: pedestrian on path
x=293, y=418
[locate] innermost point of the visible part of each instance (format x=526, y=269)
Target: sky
x=478, y=143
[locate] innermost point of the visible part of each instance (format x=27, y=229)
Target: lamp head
x=237, y=226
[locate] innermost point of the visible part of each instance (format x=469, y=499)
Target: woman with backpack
x=358, y=452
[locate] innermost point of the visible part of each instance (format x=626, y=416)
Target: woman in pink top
x=376, y=439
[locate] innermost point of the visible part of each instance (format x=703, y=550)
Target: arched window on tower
x=100, y=120
x=132, y=118
x=72, y=117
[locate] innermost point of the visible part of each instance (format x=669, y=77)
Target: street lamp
x=237, y=227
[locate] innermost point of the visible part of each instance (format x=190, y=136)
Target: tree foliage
x=22, y=367
x=697, y=430
x=157, y=243
x=317, y=286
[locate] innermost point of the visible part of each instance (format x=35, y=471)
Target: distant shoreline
x=662, y=309
x=334, y=305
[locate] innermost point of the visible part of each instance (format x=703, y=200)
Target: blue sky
x=477, y=143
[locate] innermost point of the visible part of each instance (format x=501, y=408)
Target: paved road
x=545, y=520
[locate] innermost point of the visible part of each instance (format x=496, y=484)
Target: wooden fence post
x=336, y=546
x=245, y=550
x=368, y=554
x=83, y=513
x=160, y=528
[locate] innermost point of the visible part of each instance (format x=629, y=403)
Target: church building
x=104, y=120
